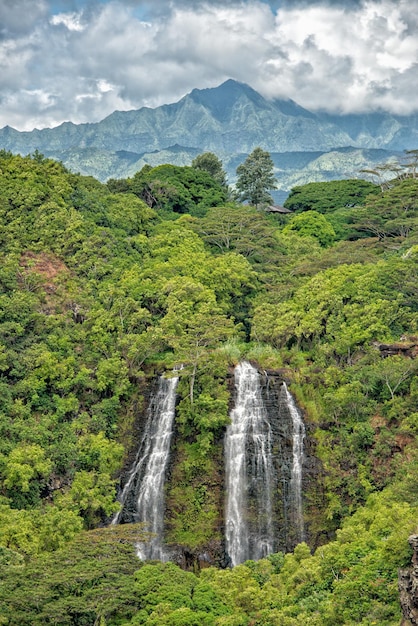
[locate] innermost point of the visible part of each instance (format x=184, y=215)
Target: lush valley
x=105, y=286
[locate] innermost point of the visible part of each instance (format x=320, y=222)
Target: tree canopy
x=329, y=196
x=312, y=224
x=175, y=189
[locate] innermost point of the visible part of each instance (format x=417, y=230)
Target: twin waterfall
x=263, y=470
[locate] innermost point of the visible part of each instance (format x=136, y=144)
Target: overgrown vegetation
x=100, y=290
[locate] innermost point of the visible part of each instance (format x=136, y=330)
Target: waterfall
x=249, y=472
x=142, y=498
x=295, y=492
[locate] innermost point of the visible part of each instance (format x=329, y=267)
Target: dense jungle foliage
x=100, y=291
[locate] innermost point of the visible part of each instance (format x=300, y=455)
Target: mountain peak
x=229, y=89
x=220, y=100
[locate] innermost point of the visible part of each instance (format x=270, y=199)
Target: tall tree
x=256, y=178
x=209, y=162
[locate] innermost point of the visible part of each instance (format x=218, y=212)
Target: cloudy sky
x=80, y=60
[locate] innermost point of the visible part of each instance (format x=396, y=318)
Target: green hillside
x=100, y=293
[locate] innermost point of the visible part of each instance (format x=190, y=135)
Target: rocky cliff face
x=408, y=587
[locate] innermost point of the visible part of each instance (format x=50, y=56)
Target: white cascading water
x=148, y=473
x=248, y=468
x=295, y=492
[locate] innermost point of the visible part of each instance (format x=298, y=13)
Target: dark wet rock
x=408, y=587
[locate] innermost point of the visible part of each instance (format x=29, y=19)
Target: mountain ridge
x=228, y=120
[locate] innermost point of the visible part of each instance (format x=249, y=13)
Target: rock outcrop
x=408, y=587
x=407, y=348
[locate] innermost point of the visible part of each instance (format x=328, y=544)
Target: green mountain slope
x=99, y=294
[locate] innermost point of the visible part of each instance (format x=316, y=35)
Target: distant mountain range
x=230, y=120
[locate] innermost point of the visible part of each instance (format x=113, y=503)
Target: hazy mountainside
x=229, y=120
x=291, y=168
x=378, y=130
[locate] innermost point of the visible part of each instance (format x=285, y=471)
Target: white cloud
x=72, y=21
x=350, y=54
x=85, y=61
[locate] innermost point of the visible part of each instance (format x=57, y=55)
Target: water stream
x=295, y=513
